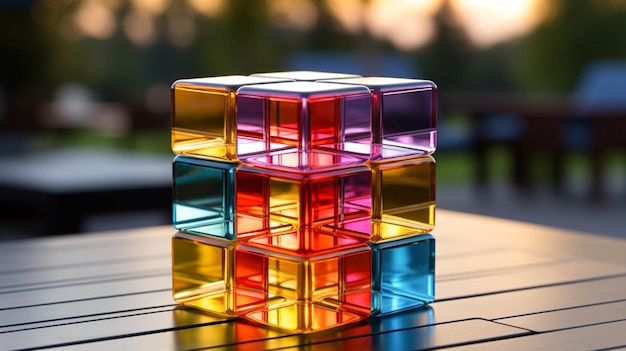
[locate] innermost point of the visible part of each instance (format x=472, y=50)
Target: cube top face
x=301, y=162
x=225, y=83
x=203, y=115
x=306, y=75
x=302, y=90
x=304, y=318
x=404, y=115
x=304, y=244
x=387, y=84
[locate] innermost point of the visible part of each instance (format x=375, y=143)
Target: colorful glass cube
x=203, y=273
x=303, y=280
x=205, y=200
x=303, y=199
x=402, y=200
x=308, y=118
x=204, y=118
x=404, y=115
x=403, y=274
x=203, y=196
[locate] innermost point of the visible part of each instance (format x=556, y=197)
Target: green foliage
x=576, y=33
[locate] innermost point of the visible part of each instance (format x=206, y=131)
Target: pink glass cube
x=309, y=119
x=404, y=115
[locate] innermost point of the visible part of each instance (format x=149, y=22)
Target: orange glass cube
x=303, y=281
x=303, y=200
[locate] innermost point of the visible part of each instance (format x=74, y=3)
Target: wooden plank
x=483, y=307
x=499, y=232
x=73, y=311
x=521, y=302
x=569, y=318
x=595, y=337
x=78, y=292
x=528, y=277
x=84, y=273
x=31, y=255
x=448, y=246
x=226, y=335
x=68, y=243
x=449, y=268
x=426, y=337
x=116, y=327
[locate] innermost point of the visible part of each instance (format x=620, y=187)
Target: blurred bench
x=591, y=120
x=59, y=189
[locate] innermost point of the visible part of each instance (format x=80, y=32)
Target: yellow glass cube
x=203, y=116
x=403, y=197
x=203, y=273
x=402, y=200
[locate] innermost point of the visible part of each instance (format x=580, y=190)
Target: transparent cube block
x=404, y=115
x=403, y=200
x=403, y=274
x=203, y=116
x=303, y=280
x=304, y=200
x=307, y=118
x=203, y=273
x=204, y=200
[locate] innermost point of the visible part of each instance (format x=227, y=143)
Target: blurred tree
x=575, y=33
x=240, y=40
x=447, y=58
x=22, y=49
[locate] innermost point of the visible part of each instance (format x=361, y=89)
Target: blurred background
x=531, y=118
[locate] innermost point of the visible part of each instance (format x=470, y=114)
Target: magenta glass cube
x=404, y=115
x=319, y=124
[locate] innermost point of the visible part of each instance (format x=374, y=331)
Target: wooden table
x=501, y=285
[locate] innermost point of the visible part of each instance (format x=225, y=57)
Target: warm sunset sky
x=406, y=23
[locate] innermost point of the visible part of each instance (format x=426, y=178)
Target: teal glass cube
x=403, y=274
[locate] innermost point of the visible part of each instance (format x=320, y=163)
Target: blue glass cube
x=403, y=274
x=204, y=196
